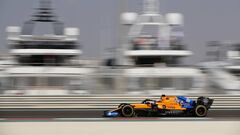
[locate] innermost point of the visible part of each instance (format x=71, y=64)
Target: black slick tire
x=127, y=111
x=201, y=111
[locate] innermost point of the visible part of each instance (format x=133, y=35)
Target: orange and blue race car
x=165, y=106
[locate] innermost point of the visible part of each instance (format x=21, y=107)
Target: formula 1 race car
x=165, y=106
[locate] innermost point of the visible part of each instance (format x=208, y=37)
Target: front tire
x=201, y=111
x=127, y=111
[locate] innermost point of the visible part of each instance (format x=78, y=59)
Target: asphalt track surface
x=96, y=115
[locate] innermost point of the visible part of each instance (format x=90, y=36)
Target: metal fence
x=100, y=102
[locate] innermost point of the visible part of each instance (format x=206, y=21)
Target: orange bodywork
x=167, y=102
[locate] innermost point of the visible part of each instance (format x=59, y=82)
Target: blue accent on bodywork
x=186, y=102
x=111, y=114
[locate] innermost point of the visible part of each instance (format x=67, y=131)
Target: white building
x=154, y=51
x=48, y=63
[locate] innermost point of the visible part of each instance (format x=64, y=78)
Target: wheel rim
x=201, y=111
x=127, y=111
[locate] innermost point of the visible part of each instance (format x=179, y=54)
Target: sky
x=98, y=21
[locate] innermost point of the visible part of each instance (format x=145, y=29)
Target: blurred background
x=64, y=62
x=123, y=47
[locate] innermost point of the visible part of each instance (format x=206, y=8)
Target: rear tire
x=201, y=111
x=127, y=111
